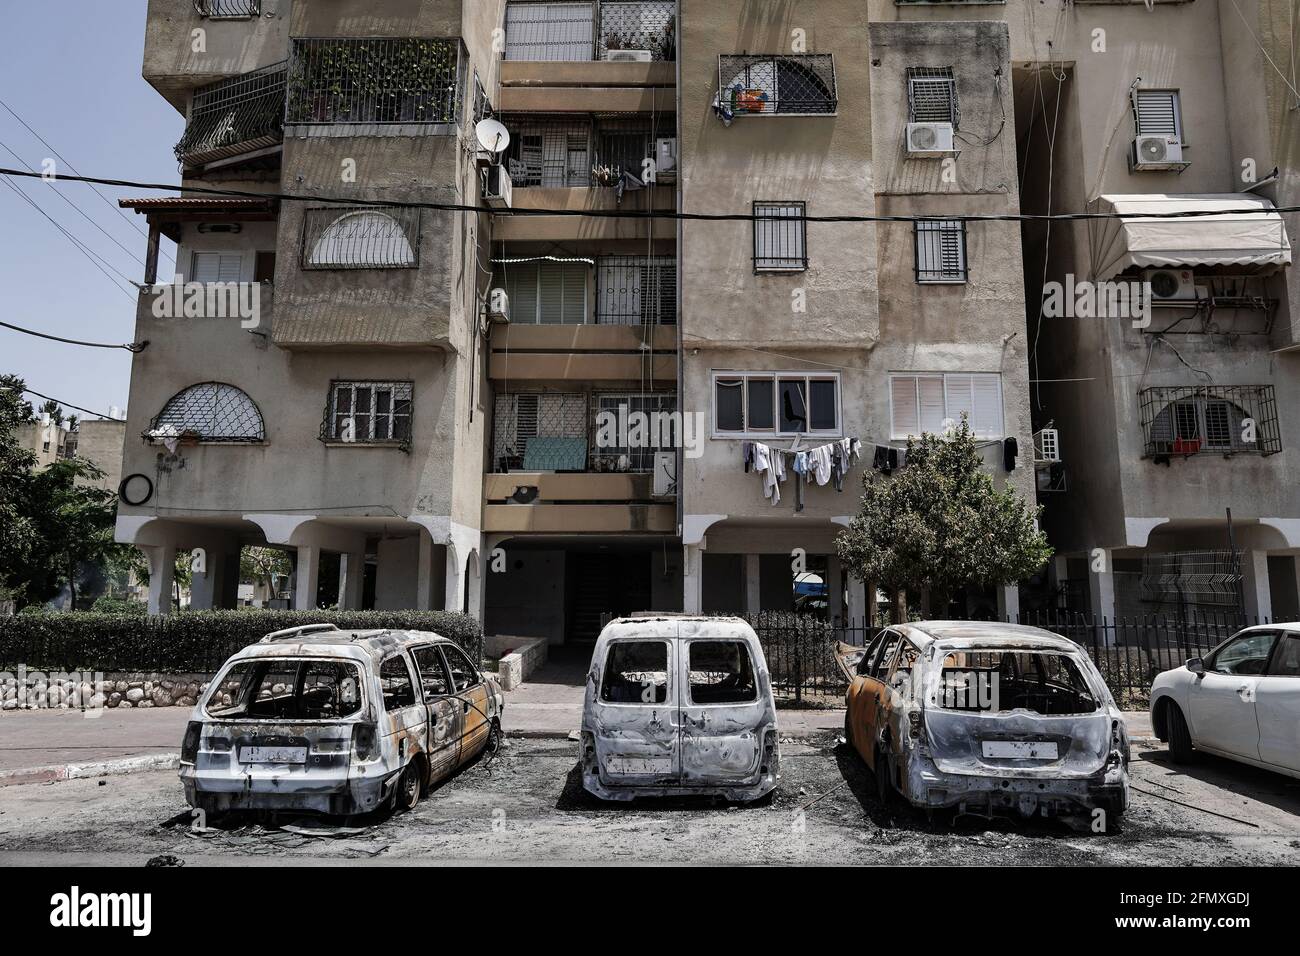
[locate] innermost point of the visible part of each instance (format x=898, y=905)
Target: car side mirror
x=1196, y=666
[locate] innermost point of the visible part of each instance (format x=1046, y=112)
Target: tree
x=17, y=533
x=259, y=565
x=54, y=410
x=940, y=524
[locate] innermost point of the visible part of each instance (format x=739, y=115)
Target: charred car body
x=679, y=706
x=341, y=722
x=986, y=719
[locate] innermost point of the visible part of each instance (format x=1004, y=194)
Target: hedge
x=188, y=642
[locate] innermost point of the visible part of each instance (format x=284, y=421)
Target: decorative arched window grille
x=209, y=412
x=361, y=239
x=1223, y=419
x=793, y=83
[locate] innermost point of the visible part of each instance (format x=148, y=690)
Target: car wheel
x=409, y=786
x=1180, y=738
x=493, y=745
x=880, y=770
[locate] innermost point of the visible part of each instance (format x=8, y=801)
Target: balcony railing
x=556, y=151
x=636, y=290
x=581, y=432
x=235, y=116
x=570, y=32
x=374, y=80
x=777, y=83
x=228, y=9
x=1181, y=421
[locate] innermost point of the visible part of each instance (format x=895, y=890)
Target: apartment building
x=97, y=440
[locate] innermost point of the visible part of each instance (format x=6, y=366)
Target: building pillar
x=424, y=574
x=1009, y=603
x=352, y=577
x=857, y=606
x=692, y=578
x=306, y=578
x=753, y=584
x=1257, y=597
x=162, y=569
x=834, y=589
x=455, y=590
x=1101, y=593
x=474, y=585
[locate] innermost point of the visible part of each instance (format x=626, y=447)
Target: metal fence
x=636, y=290
x=234, y=116
x=374, y=80
x=568, y=151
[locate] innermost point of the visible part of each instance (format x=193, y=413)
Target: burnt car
x=335, y=721
x=679, y=705
x=986, y=719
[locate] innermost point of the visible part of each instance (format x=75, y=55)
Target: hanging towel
x=801, y=463
x=819, y=464
x=764, y=464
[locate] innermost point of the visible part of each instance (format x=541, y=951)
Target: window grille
x=1221, y=420
x=638, y=26
x=551, y=152
x=234, y=116
x=652, y=426
x=803, y=83
x=932, y=95
x=780, y=237
x=1156, y=112
x=636, y=290
x=367, y=412
x=374, y=80
x=228, y=9
x=540, y=431
x=210, y=412
x=366, y=237
x=940, y=250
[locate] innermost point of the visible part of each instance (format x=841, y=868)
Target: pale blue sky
x=71, y=70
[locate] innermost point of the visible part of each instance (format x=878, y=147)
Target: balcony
x=234, y=119
x=765, y=85
x=607, y=31
x=228, y=9
x=581, y=432
x=579, y=151
x=1227, y=420
x=372, y=80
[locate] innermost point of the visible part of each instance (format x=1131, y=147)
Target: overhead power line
x=1190, y=214
x=88, y=411
x=130, y=347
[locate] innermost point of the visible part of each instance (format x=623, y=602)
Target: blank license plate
x=273, y=755
x=1021, y=749
x=638, y=766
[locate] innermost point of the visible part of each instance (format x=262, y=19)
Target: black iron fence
x=235, y=116
x=374, y=80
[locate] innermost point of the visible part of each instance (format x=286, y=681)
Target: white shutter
x=957, y=394
x=521, y=288
x=1157, y=112
x=986, y=418
x=217, y=267
x=906, y=419
x=930, y=397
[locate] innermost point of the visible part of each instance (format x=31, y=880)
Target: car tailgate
x=1018, y=743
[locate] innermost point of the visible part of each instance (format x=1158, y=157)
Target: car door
x=406, y=719
x=1222, y=702
x=722, y=708
x=469, y=688
x=1277, y=705
x=635, y=713
x=445, y=710
x=874, y=703
x=855, y=664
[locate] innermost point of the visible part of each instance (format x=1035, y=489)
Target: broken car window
x=463, y=674
x=288, y=690
x=395, y=680
x=1286, y=662
x=1246, y=654
x=721, y=672
x=864, y=663
x=1040, y=681
x=636, y=672
x=880, y=666
x=433, y=675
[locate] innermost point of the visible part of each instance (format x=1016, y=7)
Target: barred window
x=210, y=412
x=780, y=237
x=636, y=290
x=552, y=152
x=766, y=84
x=540, y=431
x=775, y=403
x=366, y=412
x=932, y=95
x=374, y=80
x=1157, y=112
x=651, y=427
x=1222, y=419
x=940, y=250
x=365, y=238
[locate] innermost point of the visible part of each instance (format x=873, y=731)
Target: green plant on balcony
x=374, y=81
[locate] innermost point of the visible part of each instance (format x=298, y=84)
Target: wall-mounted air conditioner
x=1157, y=152
x=665, y=474
x=498, y=307
x=1170, y=286
x=1047, y=445
x=628, y=56
x=498, y=188
x=929, y=139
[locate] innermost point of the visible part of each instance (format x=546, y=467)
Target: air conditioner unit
x=498, y=188
x=665, y=474
x=1157, y=152
x=1170, y=286
x=929, y=139
x=498, y=309
x=1047, y=445
x=666, y=155
x=628, y=56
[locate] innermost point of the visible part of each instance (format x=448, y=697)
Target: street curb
x=82, y=771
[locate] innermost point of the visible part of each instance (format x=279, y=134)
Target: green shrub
x=189, y=641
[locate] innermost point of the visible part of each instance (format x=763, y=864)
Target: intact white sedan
x=1241, y=701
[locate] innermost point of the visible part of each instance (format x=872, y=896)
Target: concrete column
x=1101, y=585
x=753, y=580
x=204, y=588
x=162, y=568
x=692, y=578
x=424, y=574
x=352, y=576
x=857, y=609
x=1254, y=586
x=1009, y=603
x=308, y=574
x=455, y=590
x=834, y=588
x=475, y=585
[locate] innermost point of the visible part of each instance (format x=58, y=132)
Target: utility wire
x=88, y=411
x=1190, y=214
x=130, y=347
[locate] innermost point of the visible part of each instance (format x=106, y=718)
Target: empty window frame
x=764, y=84
x=216, y=267
x=940, y=251
x=636, y=672
x=932, y=95
x=930, y=403
x=547, y=293
x=369, y=238
x=636, y=290
x=780, y=236
x=720, y=672
x=772, y=404
x=369, y=412
x=1158, y=112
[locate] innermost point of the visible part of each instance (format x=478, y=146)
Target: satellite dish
x=492, y=136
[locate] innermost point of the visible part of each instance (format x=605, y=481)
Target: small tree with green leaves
x=940, y=525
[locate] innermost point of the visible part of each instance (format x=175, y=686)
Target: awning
x=1232, y=229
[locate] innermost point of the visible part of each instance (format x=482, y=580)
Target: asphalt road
x=527, y=806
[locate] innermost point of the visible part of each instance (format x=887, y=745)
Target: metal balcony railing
x=636, y=290
x=228, y=9
x=591, y=31
x=581, y=432
x=374, y=80
x=777, y=83
x=1180, y=421
x=560, y=151
x=235, y=116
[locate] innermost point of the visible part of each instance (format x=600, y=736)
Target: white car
x=1241, y=701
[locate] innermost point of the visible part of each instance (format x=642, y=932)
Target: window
x=464, y=674
x=433, y=673
x=932, y=95
x=292, y=690
x=211, y=411
x=636, y=290
x=1157, y=112
x=395, y=682
x=780, y=236
x=1286, y=659
x=217, y=267
x=932, y=403
x=235, y=116
x=1244, y=654
x=1220, y=420
x=550, y=31
x=940, y=250
x=720, y=672
x=548, y=151
x=864, y=662
x=1042, y=682
x=769, y=404
x=636, y=672
x=547, y=293
x=361, y=239
x=765, y=85
x=365, y=412
x=540, y=431
x=228, y=9
x=885, y=656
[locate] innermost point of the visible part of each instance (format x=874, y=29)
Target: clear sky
x=71, y=70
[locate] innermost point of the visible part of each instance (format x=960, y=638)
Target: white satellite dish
x=492, y=136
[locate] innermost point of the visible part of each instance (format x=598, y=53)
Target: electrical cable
x=88, y=411
x=131, y=347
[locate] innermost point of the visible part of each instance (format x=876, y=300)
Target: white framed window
x=940, y=250
x=369, y=412
x=550, y=31
x=933, y=402
x=216, y=267
x=775, y=404
x=1158, y=112
x=780, y=237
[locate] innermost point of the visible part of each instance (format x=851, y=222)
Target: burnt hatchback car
x=339, y=722
x=986, y=719
x=679, y=706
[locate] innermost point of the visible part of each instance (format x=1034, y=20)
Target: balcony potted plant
x=1186, y=446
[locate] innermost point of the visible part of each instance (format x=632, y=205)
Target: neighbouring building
x=98, y=440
